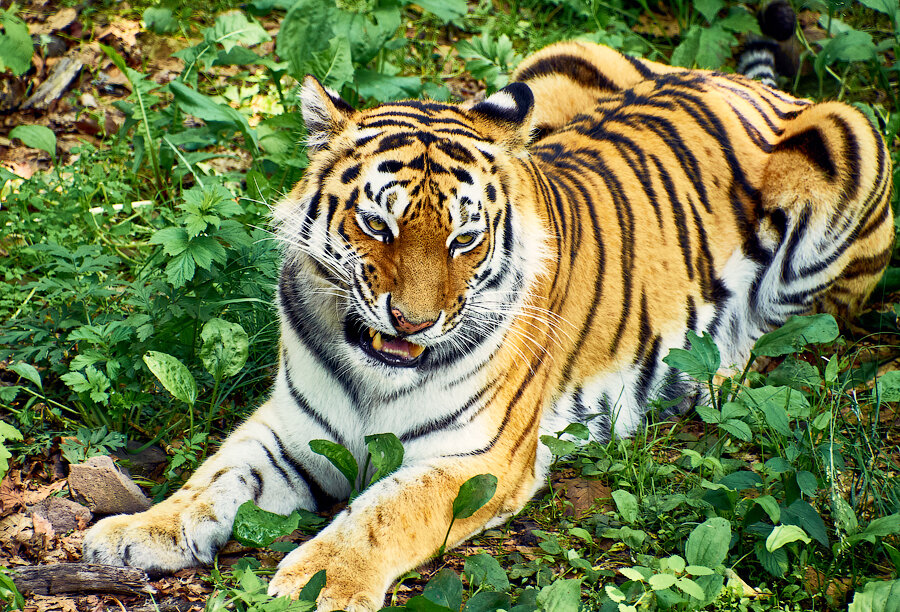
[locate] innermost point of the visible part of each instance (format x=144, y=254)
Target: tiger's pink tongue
x=396, y=346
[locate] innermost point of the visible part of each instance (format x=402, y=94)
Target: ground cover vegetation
x=136, y=305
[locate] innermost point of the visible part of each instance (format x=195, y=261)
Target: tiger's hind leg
x=826, y=191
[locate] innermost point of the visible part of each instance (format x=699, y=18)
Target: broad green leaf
x=632, y=574
x=778, y=405
x=233, y=27
x=577, y=430
x=775, y=562
x=709, y=414
x=627, y=505
x=310, y=591
x=473, y=494
x=709, y=542
x=882, y=596
x=614, y=593
x=701, y=362
x=374, y=85
x=559, y=447
x=849, y=46
x=36, y=137
x=225, y=348
x=795, y=373
x=487, y=601
x=307, y=29
x=258, y=528
x=796, y=334
x=769, y=506
x=709, y=8
x=738, y=429
x=386, y=451
x=340, y=457
x=333, y=66
x=888, y=7
x=659, y=582
x=195, y=103
x=8, y=432
x=685, y=54
x=28, y=372
x=879, y=528
x=16, y=47
x=560, y=596
x=482, y=570
x=844, y=516
x=715, y=46
x=691, y=588
x=581, y=533
x=173, y=375
x=420, y=603
x=887, y=388
x=633, y=538
x=807, y=483
x=445, y=10
x=159, y=20
x=445, y=589
x=174, y=240
x=785, y=534
x=368, y=32
x=699, y=570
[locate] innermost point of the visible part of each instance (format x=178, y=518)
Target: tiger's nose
x=404, y=325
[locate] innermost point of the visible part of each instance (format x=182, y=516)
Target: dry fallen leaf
x=58, y=21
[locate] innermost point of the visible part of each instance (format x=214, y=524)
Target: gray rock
x=63, y=514
x=100, y=485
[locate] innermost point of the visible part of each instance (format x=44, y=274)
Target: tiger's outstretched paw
x=349, y=583
x=153, y=540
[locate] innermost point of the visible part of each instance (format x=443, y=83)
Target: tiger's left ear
x=507, y=116
x=324, y=111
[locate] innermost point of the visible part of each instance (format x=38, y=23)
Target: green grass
x=136, y=247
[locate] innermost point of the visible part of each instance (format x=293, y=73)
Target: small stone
x=64, y=514
x=100, y=485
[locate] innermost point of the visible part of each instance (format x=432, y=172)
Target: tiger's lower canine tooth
x=377, y=343
x=415, y=350
x=372, y=333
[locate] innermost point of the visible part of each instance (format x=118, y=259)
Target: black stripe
x=321, y=499
x=576, y=68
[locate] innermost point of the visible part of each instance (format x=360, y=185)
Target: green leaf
x=445, y=589
x=36, y=137
x=778, y=405
x=445, y=10
x=632, y=574
x=879, y=528
x=159, y=20
x=474, y=494
x=233, y=27
x=882, y=596
x=769, y=506
x=195, y=103
x=775, y=562
x=701, y=362
x=560, y=596
x=807, y=483
x=258, y=528
x=795, y=373
x=225, y=348
x=738, y=429
x=307, y=29
x=340, y=457
x=708, y=414
x=785, y=534
x=887, y=388
x=691, y=588
x=849, y=46
x=180, y=270
x=709, y=542
x=28, y=372
x=173, y=375
x=333, y=66
x=796, y=334
x=373, y=85
x=482, y=570
x=15, y=45
x=174, y=240
x=487, y=601
x=659, y=582
x=386, y=451
x=685, y=54
x=627, y=505
x=558, y=447
x=709, y=8
x=310, y=591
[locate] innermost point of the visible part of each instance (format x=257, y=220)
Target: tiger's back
x=451, y=279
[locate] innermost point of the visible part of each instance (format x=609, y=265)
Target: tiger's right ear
x=324, y=111
x=507, y=116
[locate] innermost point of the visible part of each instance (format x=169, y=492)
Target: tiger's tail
x=765, y=58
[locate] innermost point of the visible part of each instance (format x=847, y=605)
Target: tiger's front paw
x=160, y=539
x=351, y=583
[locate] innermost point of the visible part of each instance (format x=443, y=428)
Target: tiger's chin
x=388, y=350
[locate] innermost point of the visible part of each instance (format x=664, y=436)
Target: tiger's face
x=403, y=230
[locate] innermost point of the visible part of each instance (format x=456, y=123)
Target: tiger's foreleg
x=256, y=462
x=397, y=524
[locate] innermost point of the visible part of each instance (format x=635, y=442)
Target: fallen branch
x=81, y=578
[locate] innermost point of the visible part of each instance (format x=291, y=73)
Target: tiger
x=471, y=277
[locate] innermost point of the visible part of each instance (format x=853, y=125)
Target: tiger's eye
x=464, y=239
x=376, y=225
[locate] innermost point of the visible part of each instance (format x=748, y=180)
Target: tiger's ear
x=324, y=111
x=507, y=116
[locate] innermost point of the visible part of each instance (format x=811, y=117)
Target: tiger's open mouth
x=389, y=350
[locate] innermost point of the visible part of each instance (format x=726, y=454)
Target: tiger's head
x=404, y=246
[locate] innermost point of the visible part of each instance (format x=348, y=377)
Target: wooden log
x=59, y=578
